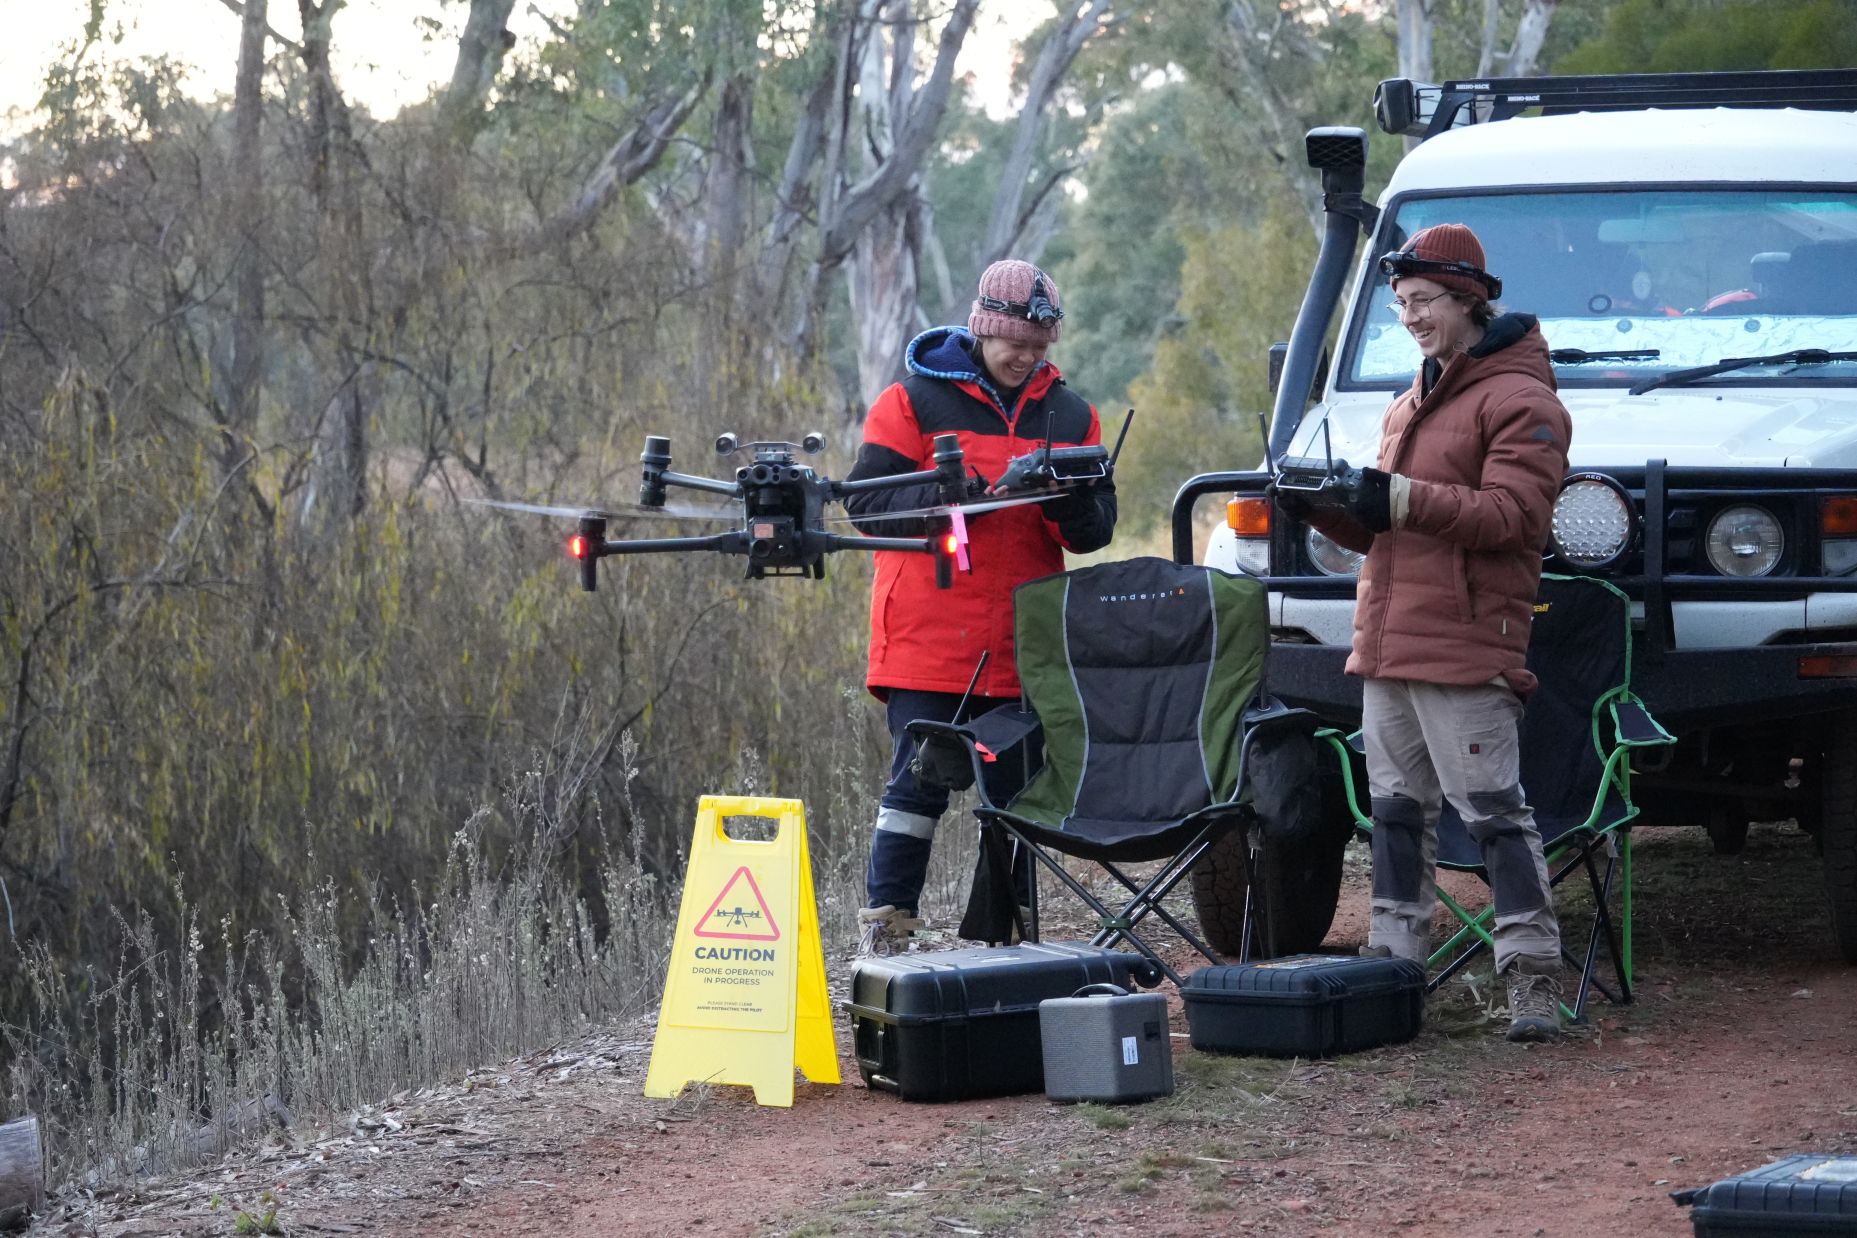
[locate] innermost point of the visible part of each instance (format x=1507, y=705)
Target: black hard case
x=1307, y=1005
x=1796, y=1195
x=954, y=1024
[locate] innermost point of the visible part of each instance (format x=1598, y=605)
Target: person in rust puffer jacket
x=1453, y=522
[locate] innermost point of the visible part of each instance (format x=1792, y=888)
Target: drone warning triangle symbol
x=737, y=920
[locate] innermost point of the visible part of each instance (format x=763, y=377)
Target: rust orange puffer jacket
x=1448, y=596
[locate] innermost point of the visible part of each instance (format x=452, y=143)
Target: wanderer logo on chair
x=1161, y=595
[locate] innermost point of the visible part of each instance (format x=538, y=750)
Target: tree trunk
x=882, y=278
x=1009, y=220
x=725, y=187
x=1247, y=53
x=1530, y=34
x=247, y=368
x=481, y=49
x=1415, y=45
x=341, y=448
x=22, y=1169
x=1486, y=52
x=896, y=122
x=1415, y=39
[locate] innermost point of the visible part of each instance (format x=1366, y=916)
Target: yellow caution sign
x=744, y=998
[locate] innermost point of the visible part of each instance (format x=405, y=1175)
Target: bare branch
x=633, y=155
x=861, y=203
x=270, y=32
x=1005, y=227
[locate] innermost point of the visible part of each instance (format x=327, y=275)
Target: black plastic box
x=1797, y=1195
x=1308, y=1005
x=955, y=1024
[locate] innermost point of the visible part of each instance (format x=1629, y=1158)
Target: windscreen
x=1697, y=275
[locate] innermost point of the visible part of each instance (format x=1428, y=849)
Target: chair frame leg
x=1460, y=951
x=1119, y=925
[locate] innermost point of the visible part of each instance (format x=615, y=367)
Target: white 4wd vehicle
x=1689, y=243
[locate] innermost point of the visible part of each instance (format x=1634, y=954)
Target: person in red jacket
x=1453, y=522
x=991, y=385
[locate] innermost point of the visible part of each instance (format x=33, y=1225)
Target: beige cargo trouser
x=1428, y=743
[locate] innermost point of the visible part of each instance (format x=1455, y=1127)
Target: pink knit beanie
x=1017, y=302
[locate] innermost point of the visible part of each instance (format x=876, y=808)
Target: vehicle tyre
x=1299, y=883
x=1727, y=827
x=1837, y=829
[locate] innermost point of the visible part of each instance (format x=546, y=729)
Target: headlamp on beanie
x=1401, y=263
x=1035, y=308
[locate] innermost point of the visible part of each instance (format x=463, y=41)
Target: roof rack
x=1420, y=109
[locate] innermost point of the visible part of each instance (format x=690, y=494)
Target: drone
x=780, y=525
x=781, y=522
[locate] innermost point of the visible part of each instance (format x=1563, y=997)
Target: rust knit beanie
x=1449, y=243
x=1017, y=302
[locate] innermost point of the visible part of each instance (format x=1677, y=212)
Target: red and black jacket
x=928, y=639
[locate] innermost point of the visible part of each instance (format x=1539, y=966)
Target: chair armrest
x=1269, y=715
x=1634, y=726
x=951, y=754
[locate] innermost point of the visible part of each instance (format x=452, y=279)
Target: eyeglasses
x=1420, y=306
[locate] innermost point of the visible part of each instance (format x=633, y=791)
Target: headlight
x=1330, y=557
x=1592, y=520
x=1745, y=541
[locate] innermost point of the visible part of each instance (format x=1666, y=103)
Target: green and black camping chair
x=1578, y=734
x=1145, y=678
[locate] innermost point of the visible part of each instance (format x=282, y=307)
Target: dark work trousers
x=1428, y=743
x=908, y=812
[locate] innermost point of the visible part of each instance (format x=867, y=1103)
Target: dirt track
x=1739, y=1051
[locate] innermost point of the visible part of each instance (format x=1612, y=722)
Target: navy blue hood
x=950, y=354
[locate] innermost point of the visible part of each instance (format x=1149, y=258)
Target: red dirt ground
x=1738, y=1051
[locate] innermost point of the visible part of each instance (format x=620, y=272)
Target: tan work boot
x=885, y=930
x=1534, y=1000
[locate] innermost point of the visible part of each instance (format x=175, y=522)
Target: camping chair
x=1577, y=737
x=1145, y=679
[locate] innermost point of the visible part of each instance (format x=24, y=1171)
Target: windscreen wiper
x=1575, y=356
x=1798, y=356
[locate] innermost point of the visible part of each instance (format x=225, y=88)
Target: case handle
x=1101, y=989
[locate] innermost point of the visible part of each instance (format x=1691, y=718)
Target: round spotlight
x=1330, y=557
x=1745, y=541
x=1593, y=521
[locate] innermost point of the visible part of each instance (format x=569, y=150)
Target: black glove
x=1292, y=503
x=1073, y=503
x=977, y=484
x=1368, y=495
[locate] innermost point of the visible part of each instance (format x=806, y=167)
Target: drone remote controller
x=1061, y=467
x=1322, y=482
x=1056, y=466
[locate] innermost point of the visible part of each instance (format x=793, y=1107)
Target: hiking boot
x=1376, y=952
x=1534, y=1004
x=885, y=930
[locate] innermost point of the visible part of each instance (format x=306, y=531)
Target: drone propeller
x=945, y=509
x=626, y=511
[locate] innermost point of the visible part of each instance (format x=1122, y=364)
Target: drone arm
x=886, y=481
x=836, y=541
x=701, y=483
x=890, y=481
x=663, y=545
